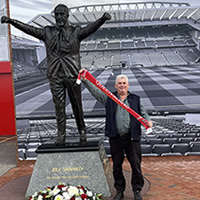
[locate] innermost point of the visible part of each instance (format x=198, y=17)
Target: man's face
x=122, y=86
x=61, y=16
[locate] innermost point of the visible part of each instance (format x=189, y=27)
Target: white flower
x=35, y=195
x=72, y=190
x=89, y=193
x=78, y=198
x=81, y=191
x=64, y=188
x=93, y=197
x=66, y=195
x=59, y=197
x=40, y=197
x=55, y=191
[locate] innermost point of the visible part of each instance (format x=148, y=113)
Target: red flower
x=73, y=198
x=81, y=187
x=60, y=186
x=84, y=196
x=45, y=195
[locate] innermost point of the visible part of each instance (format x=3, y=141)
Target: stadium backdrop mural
x=160, y=57
x=161, y=61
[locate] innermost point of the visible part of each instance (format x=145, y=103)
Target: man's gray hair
x=121, y=76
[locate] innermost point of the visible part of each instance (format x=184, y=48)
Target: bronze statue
x=62, y=43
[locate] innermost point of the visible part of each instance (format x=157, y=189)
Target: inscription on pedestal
x=88, y=168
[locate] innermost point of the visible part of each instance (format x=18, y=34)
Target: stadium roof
x=24, y=43
x=130, y=14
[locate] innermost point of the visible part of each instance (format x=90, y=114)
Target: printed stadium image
x=155, y=44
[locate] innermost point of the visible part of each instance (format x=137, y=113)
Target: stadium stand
x=161, y=142
x=159, y=149
x=170, y=141
x=182, y=148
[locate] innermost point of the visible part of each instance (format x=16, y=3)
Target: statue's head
x=61, y=13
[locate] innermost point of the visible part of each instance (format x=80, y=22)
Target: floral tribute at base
x=66, y=192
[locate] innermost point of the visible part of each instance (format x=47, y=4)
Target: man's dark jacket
x=67, y=54
x=111, y=107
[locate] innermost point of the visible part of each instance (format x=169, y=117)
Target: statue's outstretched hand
x=5, y=19
x=106, y=16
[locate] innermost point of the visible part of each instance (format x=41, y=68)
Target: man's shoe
x=137, y=195
x=119, y=196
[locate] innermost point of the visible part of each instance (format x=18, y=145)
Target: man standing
x=62, y=43
x=124, y=133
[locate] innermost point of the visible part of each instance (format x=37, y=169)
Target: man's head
x=121, y=84
x=61, y=13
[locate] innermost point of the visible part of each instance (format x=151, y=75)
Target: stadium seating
x=195, y=147
x=159, y=47
x=182, y=148
x=159, y=149
x=170, y=141
x=147, y=150
x=107, y=147
x=31, y=154
x=153, y=141
x=163, y=136
x=21, y=155
x=163, y=141
x=185, y=139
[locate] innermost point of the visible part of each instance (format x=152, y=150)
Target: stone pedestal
x=74, y=164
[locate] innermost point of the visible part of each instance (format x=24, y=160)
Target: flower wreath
x=63, y=192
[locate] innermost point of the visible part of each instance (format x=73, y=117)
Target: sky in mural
x=25, y=10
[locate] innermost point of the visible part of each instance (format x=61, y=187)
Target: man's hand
x=80, y=71
x=150, y=124
x=5, y=19
x=106, y=16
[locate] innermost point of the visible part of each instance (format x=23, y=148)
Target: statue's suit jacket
x=62, y=45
